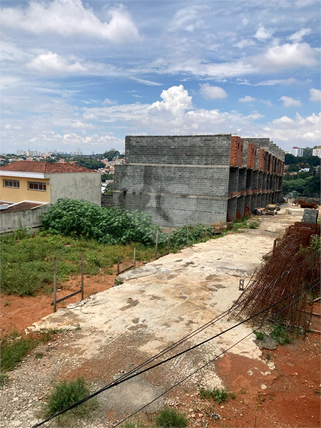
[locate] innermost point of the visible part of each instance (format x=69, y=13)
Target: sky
x=79, y=74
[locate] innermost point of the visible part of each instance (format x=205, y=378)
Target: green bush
x=279, y=333
x=171, y=418
x=107, y=225
x=65, y=394
x=196, y=233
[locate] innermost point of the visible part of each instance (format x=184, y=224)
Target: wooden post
x=55, y=286
x=156, y=245
x=118, y=265
x=82, y=276
x=168, y=241
x=134, y=258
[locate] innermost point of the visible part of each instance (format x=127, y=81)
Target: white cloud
x=290, y=102
x=297, y=130
x=244, y=43
x=212, y=92
x=287, y=56
x=267, y=102
x=247, y=99
x=52, y=63
x=298, y=36
x=187, y=19
x=69, y=18
x=315, y=94
x=146, y=82
x=175, y=99
x=263, y=34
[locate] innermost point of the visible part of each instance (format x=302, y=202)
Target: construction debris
x=290, y=269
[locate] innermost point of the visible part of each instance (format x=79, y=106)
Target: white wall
x=76, y=185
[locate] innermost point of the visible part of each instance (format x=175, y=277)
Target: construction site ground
x=117, y=329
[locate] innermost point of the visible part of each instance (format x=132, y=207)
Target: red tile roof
x=44, y=167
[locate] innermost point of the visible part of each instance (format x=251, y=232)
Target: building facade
x=317, y=152
x=47, y=182
x=297, y=152
x=186, y=180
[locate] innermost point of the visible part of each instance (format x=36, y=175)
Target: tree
x=290, y=159
x=307, y=152
x=111, y=154
x=89, y=163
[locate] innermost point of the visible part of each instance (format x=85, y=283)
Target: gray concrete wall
x=10, y=222
x=84, y=185
x=179, y=150
x=107, y=201
x=173, y=195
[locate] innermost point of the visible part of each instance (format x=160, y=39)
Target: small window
x=34, y=185
x=11, y=183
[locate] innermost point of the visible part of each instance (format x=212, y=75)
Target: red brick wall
x=236, y=158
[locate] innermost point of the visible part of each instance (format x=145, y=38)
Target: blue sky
x=84, y=74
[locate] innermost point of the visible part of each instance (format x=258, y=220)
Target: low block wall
x=9, y=222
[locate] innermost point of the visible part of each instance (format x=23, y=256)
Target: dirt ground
x=122, y=326
x=17, y=313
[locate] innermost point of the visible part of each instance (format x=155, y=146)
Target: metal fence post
x=156, y=245
x=82, y=276
x=55, y=286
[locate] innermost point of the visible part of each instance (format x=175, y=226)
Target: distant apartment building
x=297, y=152
x=317, y=152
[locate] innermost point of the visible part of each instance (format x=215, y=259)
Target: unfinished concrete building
x=186, y=180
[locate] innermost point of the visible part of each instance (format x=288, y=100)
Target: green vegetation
x=279, y=333
x=105, y=177
x=107, y=225
x=15, y=348
x=188, y=235
x=67, y=393
x=218, y=394
x=89, y=162
x=171, y=418
x=305, y=183
x=27, y=264
x=259, y=335
x=244, y=223
x=102, y=234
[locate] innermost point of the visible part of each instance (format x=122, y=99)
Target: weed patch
x=64, y=395
x=259, y=335
x=218, y=394
x=14, y=349
x=171, y=418
x=279, y=333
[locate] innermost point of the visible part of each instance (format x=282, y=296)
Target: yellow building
x=47, y=182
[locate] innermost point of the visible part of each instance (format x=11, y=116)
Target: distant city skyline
x=86, y=74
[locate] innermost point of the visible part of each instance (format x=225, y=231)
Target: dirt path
x=117, y=329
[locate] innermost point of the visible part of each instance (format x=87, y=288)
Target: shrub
x=195, y=234
x=279, y=333
x=171, y=418
x=65, y=394
x=106, y=225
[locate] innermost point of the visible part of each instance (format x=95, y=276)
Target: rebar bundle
x=292, y=265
